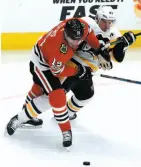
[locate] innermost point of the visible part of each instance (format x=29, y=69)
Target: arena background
x=25, y=21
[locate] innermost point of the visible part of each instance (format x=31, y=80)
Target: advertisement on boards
x=137, y=8
x=81, y=8
x=32, y=19
x=123, y=9
x=42, y=15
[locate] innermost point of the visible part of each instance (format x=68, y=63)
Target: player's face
x=105, y=25
x=73, y=43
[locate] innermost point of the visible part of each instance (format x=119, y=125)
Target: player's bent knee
x=57, y=98
x=81, y=102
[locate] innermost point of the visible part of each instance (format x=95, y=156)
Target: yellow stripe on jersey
x=87, y=62
x=92, y=66
x=31, y=111
x=71, y=64
x=71, y=106
x=111, y=46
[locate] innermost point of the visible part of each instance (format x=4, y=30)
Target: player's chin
x=105, y=29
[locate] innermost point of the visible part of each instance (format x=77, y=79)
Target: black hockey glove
x=84, y=72
x=128, y=39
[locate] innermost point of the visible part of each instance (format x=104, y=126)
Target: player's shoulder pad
x=91, y=22
x=114, y=33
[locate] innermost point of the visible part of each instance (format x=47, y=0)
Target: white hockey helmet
x=106, y=13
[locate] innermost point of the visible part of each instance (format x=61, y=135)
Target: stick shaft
x=120, y=79
x=138, y=34
x=118, y=41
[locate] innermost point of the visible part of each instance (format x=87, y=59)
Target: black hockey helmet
x=74, y=29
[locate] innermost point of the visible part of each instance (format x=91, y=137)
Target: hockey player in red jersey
x=106, y=31
x=48, y=63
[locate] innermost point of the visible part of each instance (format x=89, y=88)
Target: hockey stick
x=118, y=41
x=118, y=78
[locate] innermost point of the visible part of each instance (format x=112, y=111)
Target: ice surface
x=107, y=132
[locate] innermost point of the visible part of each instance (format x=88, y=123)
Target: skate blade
x=68, y=149
x=23, y=126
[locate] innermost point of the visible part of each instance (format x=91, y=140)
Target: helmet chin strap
x=97, y=21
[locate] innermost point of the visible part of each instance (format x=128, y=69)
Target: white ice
x=107, y=132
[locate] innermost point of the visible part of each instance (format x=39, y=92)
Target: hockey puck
x=87, y=163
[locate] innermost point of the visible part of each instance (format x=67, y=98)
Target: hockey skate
x=67, y=139
x=32, y=123
x=12, y=125
x=72, y=116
